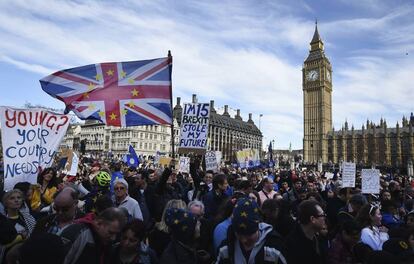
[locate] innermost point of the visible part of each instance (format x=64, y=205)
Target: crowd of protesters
x=111, y=213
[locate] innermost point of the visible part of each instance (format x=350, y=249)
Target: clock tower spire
x=317, y=99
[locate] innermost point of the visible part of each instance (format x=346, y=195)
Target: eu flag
x=132, y=158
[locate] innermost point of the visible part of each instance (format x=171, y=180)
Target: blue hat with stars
x=246, y=217
x=181, y=224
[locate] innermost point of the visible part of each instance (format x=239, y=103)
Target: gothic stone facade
x=372, y=145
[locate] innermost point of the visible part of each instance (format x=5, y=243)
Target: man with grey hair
x=196, y=207
x=122, y=199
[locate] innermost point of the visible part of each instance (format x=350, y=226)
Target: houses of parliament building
x=372, y=144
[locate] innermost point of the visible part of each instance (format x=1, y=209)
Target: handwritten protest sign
x=30, y=139
x=348, y=174
x=194, y=128
x=184, y=165
x=370, y=181
x=164, y=161
x=211, y=161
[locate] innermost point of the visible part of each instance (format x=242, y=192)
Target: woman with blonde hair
x=22, y=221
x=159, y=237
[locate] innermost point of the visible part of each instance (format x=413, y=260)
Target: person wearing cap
x=181, y=224
x=248, y=239
x=122, y=199
x=303, y=244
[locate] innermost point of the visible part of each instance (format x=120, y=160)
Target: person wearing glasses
x=122, y=199
x=372, y=234
x=65, y=212
x=303, y=244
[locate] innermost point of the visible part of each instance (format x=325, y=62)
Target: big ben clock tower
x=317, y=102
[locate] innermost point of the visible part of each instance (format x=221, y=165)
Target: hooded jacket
x=82, y=243
x=264, y=251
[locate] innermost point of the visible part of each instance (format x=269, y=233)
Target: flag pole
x=172, y=110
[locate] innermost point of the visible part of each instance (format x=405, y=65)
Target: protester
x=122, y=199
x=342, y=245
x=181, y=248
x=159, y=237
x=43, y=193
x=373, y=233
x=23, y=222
x=89, y=240
x=267, y=192
x=214, y=198
x=248, y=239
x=311, y=220
x=132, y=248
x=65, y=208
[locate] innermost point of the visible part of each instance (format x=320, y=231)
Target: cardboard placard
x=348, y=174
x=194, y=128
x=370, y=181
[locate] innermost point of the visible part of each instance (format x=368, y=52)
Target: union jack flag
x=116, y=93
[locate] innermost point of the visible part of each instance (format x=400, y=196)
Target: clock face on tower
x=312, y=75
x=328, y=75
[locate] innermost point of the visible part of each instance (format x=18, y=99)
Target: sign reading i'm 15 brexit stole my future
x=194, y=128
x=30, y=139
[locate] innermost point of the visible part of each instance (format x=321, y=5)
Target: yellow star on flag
x=243, y=214
x=131, y=81
x=123, y=74
x=110, y=72
x=113, y=116
x=91, y=86
x=101, y=113
x=124, y=111
x=134, y=92
x=131, y=104
x=91, y=106
x=98, y=77
x=86, y=95
x=176, y=221
x=242, y=225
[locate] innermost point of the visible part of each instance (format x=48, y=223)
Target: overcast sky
x=246, y=54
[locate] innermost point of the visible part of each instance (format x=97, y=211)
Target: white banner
x=194, y=128
x=184, y=165
x=370, y=181
x=30, y=140
x=218, y=158
x=348, y=174
x=211, y=161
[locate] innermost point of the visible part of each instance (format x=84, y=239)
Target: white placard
x=348, y=174
x=211, y=161
x=218, y=158
x=194, y=128
x=30, y=140
x=329, y=175
x=184, y=165
x=370, y=181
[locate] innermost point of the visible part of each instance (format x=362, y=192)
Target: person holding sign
x=373, y=234
x=45, y=190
